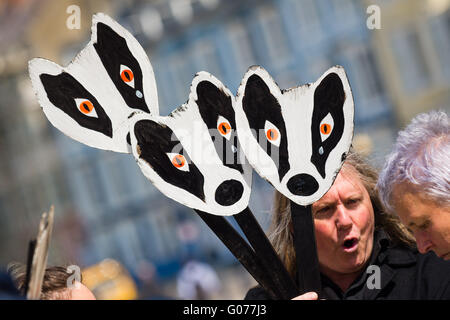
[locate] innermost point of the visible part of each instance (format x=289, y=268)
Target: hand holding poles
x=262, y=262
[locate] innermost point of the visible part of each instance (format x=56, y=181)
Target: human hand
x=307, y=296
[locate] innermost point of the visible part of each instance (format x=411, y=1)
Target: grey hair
x=420, y=157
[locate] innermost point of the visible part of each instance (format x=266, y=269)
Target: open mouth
x=350, y=244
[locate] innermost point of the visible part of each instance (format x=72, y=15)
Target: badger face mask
x=297, y=139
x=91, y=99
x=192, y=155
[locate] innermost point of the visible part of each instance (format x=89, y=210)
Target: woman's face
x=344, y=224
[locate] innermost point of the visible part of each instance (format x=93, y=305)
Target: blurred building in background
x=104, y=206
x=413, y=48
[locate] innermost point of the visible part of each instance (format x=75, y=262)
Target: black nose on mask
x=229, y=192
x=302, y=185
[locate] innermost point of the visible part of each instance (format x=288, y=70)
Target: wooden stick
x=305, y=248
x=40, y=254
x=263, y=248
x=241, y=250
x=30, y=254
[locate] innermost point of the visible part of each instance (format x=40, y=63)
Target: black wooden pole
x=305, y=248
x=242, y=251
x=30, y=254
x=263, y=248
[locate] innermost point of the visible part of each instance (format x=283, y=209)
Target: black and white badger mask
x=192, y=155
x=91, y=99
x=297, y=139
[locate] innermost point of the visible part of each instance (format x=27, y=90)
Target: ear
x=260, y=99
x=213, y=99
x=330, y=89
x=163, y=160
x=332, y=118
x=259, y=102
x=126, y=62
x=256, y=89
x=69, y=106
x=216, y=107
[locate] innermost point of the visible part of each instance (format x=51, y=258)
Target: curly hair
x=280, y=233
x=421, y=158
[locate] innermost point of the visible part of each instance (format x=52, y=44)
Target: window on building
x=278, y=51
x=440, y=34
x=129, y=246
x=161, y=78
x=140, y=186
x=364, y=79
x=366, y=73
x=206, y=58
x=55, y=189
x=101, y=245
x=145, y=232
x=36, y=200
x=346, y=10
x=307, y=17
x=410, y=59
x=241, y=46
x=181, y=69
x=89, y=189
x=61, y=186
x=116, y=182
x=165, y=244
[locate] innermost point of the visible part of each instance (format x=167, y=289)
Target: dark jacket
x=404, y=274
x=8, y=290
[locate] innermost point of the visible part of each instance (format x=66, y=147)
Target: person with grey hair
x=415, y=181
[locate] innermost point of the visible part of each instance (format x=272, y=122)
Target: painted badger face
x=91, y=99
x=192, y=155
x=297, y=139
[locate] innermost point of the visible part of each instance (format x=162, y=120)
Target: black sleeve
x=257, y=293
x=435, y=276
x=8, y=290
x=445, y=293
